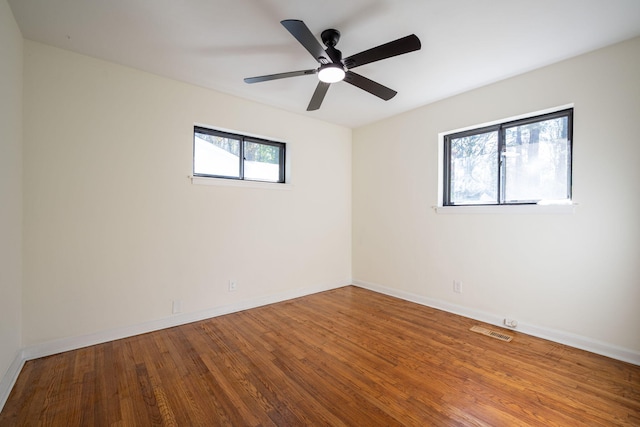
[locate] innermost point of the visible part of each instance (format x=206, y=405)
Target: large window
x=220, y=154
x=519, y=162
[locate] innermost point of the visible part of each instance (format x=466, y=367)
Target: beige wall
x=114, y=229
x=10, y=189
x=579, y=274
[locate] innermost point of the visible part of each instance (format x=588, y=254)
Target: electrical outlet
x=177, y=306
x=457, y=286
x=233, y=285
x=511, y=323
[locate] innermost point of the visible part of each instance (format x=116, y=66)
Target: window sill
x=560, y=209
x=200, y=180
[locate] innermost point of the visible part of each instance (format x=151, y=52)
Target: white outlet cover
x=177, y=306
x=511, y=323
x=457, y=286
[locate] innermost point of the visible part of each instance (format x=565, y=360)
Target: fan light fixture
x=331, y=73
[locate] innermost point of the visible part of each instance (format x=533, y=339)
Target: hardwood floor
x=343, y=357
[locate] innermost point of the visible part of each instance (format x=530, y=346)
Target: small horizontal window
x=518, y=162
x=219, y=154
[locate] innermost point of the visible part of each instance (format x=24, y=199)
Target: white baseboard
x=73, y=343
x=562, y=337
x=10, y=377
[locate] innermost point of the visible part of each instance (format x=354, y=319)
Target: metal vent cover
x=492, y=334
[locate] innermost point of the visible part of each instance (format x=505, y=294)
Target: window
x=220, y=154
x=525, y=161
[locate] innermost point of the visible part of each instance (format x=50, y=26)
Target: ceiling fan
x=333, y=68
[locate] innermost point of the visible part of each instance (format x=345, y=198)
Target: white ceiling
x=216, y=43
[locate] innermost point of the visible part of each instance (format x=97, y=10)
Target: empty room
x=363, y=213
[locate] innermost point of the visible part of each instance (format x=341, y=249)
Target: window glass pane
x=537, y=159
x=474, y=169
x=262, y=162
x=216, y=155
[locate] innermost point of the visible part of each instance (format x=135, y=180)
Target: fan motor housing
x=330, y=37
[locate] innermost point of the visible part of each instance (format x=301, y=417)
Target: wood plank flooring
x=347, y=357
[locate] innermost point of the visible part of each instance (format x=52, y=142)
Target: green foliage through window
x=518, y=162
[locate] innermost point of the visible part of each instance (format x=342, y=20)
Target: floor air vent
x=492, y=334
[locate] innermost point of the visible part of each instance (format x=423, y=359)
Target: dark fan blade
x=301, y=32
x=397, y=47
x=369, y=85
x=279, y=76
x=318, y=96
